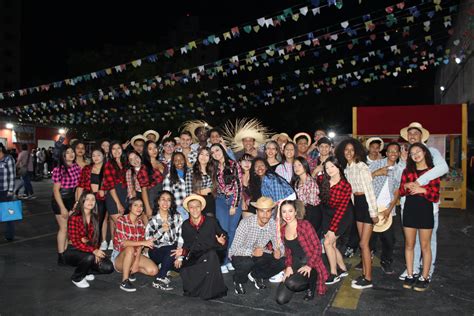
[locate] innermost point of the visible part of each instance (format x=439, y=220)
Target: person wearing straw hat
x=246, y=136
x=250, y=255
x=138, y=143
x=303, y=141
x=374, y=146
x=200, y=132
x=152, y=135
x=415, y=133
x=282, y=139
x=198, y=259
x=386, y=174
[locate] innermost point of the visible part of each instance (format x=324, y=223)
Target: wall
x=46, y=133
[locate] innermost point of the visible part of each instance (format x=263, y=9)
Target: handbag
x=11, y=211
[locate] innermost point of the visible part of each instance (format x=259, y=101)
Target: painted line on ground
x=27, y=239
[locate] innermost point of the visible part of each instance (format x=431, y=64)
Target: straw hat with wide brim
x=233, y=134
x=192, y=126
x=152, y=132
x=194, y=197
x=371, y=139
x=137, y=137
x=383, y=225
x=302, y=134
x=284, y=135
x=264, y=203
x=424, y=132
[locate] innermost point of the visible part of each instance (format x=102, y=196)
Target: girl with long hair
x=245, y=164
x=105, y=146
x=80, y=151
x=84, y=252
x=133, y=167
x=65, y=180
x=418, y=213
x=272, y=154
x=200, y=180
x=175, y=181
x=285, y=168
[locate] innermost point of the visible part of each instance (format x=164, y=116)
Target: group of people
x=211, y=201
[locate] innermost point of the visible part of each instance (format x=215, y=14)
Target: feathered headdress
x=191, y=127
x=244, y=128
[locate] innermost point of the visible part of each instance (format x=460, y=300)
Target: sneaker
x=403, y=276
x=132, y=277
x=239, y=288
x=127, y=286
x=421, y=284
x=359, y=266
x=90, y=277
x=362, y=284
x=111, y=245
x=359, y=278
x=162, y=284
x=81, y=284
x=277, y=278
x=259, y=283
x=409, y=282
x=332, y=279
x=30, y=197
x=103, y=245
x=349, y=252
x=342, y=273
x=224, y=269
x=387, y=267
x=230, y=267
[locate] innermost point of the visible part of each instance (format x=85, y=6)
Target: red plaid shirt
x=69, y=179
x=85, y=182
x=145, y=181
x=126, y=230
x=308, y=192
x=76, y=231
x=432, y=188
x=339, y=197
x=309, y=241
x=112, y=177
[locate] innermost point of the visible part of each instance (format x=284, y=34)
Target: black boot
x=61, y=259
x=309, y=295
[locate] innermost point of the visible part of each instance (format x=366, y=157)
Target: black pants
x=101, y=213
x=314, y=215
x=388, y=242
x=262, y=267
x=295, y=283
x=85, y=264
x=163, y=256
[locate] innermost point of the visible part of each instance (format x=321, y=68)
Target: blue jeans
x=26, y=183
x=9, y=226
x=417, y=254
x=227, y=222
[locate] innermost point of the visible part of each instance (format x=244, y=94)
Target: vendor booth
x=447, y=125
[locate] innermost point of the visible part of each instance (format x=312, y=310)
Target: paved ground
x=32, y=284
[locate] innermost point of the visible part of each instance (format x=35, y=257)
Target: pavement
x=31, y=283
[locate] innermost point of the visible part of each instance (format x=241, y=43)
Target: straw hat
x=152, y=132
x=233, y=134
x=382, y=225
x=285, y=135
x=194, y=197
x=424, y=132
x=371, y=139
x=302, y=134
x=264, y=203
x=137, y=137
x=191, y=127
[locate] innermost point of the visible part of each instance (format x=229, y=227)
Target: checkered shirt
x=112, y=177
x=178, y=189
x=206, y=182
x=360, y=178
x=234, y=188
x=7, y=173
x=192, y=156
x=339, y=198
x=69, y=179
x=126, y=230
x=76, y=231
x=393, y=177
x=432, y=188
x=285, y=170
x=173, y=236
x=85, y=182
x=145, y=181
x=308, y=192
x=276, y=187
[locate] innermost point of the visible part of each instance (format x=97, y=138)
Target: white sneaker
x=111, y=245
x=103, y=245
x=224, y=269
x=230, y=267
x=81, y=284
x=90, y=277
x=403, y=275
x=277, y=278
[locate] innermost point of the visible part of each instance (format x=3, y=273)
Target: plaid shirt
x=133, y=186
x=191, y=157
x=112, y=177
x=7, y=173
x=234, y=188
x=85, y=182
x=308, y=192
x=276, y=187
x=285, y=170
x=250, y=235
x=145, y=181
x=206, y=182
x=393, y=177
x=360, y=178
x=69, y=179
x=126, y=230
x=76, y=231
x=154, y=229
x=339, y=197
x=432, y=188
x=309, y=241
x=178, y=189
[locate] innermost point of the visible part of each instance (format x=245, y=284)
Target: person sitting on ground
x=250, y=254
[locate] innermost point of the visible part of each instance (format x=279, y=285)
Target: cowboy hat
x=137, y=137
x=284, y=135
x=424, y=132
x=382, y=224
x=306, y=135
x=152, y=132
x=264, y=203
x=374, y=139
x=194, y=197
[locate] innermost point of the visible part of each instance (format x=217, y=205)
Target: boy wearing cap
x=250, y=256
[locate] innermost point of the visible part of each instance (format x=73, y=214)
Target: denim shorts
x=114, y=256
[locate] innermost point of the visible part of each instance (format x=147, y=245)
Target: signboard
x=23, y=135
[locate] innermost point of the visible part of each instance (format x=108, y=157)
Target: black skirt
x=314, y=215
x=210, y=209
x=111, y=206
x=362, y=209
x=344, y=224
x=418, y=213
x=68, y=199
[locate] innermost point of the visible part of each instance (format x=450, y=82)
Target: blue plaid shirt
x=393, y=177
x=276, y=187
x=7, y=173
